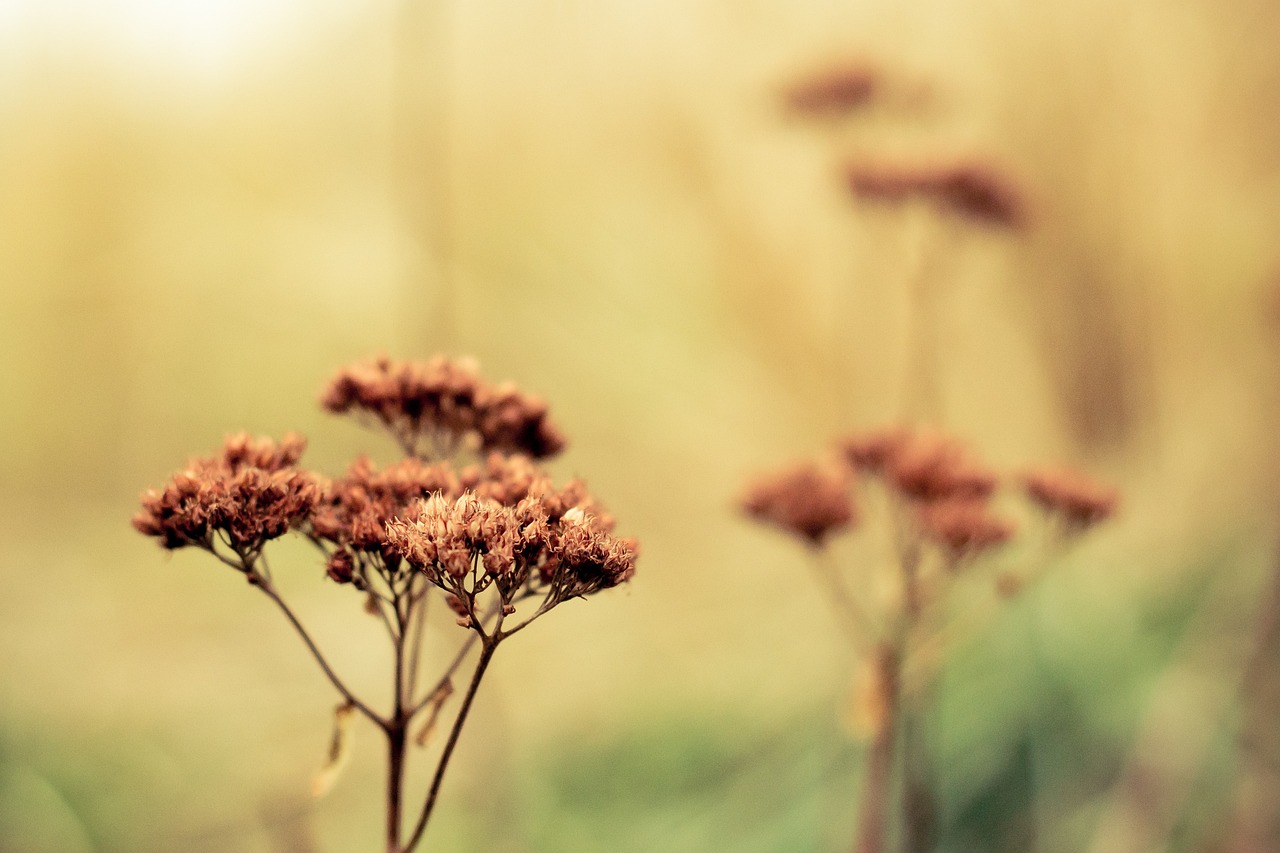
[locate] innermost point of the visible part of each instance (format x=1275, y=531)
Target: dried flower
x=810, y=500
x=433, y=406
x=872, y=451
x=341, y=566
x=971, y=190
x=1078, y=499
x=933, y=467
x=355, y=509
x=519, y=547
x=833, y=92
x=963, y=527
x=248, y=495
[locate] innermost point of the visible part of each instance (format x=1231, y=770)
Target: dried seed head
x=434, y=406
x=810, y=500
x=250, y=493
x=964, y=528
x=872, y=451
x=341, y=566
x=832, y=92
x=975, y=191
x=537, y=544
x=1079, y=500
x=934, y=467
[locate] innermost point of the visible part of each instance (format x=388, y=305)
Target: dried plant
x=943, y=525
x=491, y=536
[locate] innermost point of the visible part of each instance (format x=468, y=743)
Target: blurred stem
x=928, y=237
x=877, y=791
x=1255, y=820
x=920, y=804
x=854, y=619
x=423, y=155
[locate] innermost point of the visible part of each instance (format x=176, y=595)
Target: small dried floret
x=590, y=557
x=433, y=406
x=972, y=190
x=244, y=451
x=811, y=500
x=249, y=494
x=1080, y=500
x=341, y=566
x=929, y=467
x=356, y=508
x=963, y=527
x=833, y=92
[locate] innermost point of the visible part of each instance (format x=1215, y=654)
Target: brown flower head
x=432, y=407
x=468, y=543
x=811, y=500
x=832, y=92
x=931, y=467
x=248, y=495
x=963, y=527
x=1079, y=500
x=872, y=451
x=975, y=191
x=355, y=509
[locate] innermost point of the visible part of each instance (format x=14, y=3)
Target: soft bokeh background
x=207, y=206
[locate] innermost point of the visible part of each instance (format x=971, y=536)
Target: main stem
x=397, y=725
x=395, y=782
x=486, y=654
x=877, y=792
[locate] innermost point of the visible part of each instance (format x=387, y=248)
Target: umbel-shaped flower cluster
x=467, y=515
x=249, y=494
x=939, y=502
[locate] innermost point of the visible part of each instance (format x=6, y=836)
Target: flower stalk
x=943, y=525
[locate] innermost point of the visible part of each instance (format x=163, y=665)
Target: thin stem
x=855, y=620
x=263, y=584
x=448, y=674
x=418, y=621
x=486, y=654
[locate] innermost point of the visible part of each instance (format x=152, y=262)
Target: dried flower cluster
x=946, y=489
x=248, y=495
x=971, y=190
x=833, y=92
x=533, y=548
x=1078, y=500
x=939, y=498
x=808, y=499
x=437, y=404
x=484, y=536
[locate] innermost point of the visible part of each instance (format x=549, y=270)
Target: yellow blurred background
x=205, y=207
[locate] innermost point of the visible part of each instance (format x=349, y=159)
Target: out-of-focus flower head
x=811, y=500
x=833, y=91
x=934, y=467
x=963, y=528
x=972, y=190
x=1076, y=498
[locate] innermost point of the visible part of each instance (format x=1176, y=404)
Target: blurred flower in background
x=616, y=203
